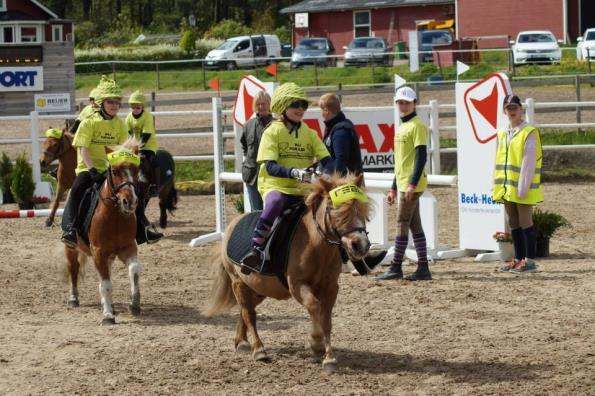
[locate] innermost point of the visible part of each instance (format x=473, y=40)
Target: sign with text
x=59, y=102
x=243, y=108
x=479, y=116
x=19, y=79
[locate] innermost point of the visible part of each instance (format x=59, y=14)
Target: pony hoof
x=329, y=366
x=73, y=303
x=134, y=309
x=163, y=224
x=49, y=223
x=261, y=356
x=243, y=347
x=108, y=321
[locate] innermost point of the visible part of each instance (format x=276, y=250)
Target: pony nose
x=360, y=245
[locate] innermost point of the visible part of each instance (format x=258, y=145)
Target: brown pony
x=111, y=235
x=312, y=274
x=62, y=150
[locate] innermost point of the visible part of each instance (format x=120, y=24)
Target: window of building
x=30, y=34
x=361, y=23
x=7, y=34
x=57, y=33
x=2, y=5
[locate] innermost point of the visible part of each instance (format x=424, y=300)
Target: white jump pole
x=35, y=147
x=16, y=214
x=219, y=167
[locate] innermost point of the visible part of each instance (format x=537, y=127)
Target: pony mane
x=344, y=214
x=132, y=144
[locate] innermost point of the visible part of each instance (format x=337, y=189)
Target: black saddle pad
x=167, y=166
x=278, y=245
x=85, y=212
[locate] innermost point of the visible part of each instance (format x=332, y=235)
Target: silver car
x=367, y=50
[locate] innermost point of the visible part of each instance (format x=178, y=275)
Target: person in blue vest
x=342, y=143
x=517, y=183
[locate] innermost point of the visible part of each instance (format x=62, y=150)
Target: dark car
x=314, y=50
x=430, y=39
x=366, y=50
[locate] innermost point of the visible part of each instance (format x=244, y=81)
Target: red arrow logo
x=248, y=103
x=488, y=107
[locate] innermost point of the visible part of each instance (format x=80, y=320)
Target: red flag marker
x=215, y=85
x=272, y=70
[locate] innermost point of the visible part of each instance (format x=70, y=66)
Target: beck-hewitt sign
x=479, y=116
x=18, y=79
x=243, y=108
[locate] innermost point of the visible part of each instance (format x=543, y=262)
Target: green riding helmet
x=107, y=89
x=137, y=97
x=285, y=95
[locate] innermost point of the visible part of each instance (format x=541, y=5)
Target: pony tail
x=221, y=297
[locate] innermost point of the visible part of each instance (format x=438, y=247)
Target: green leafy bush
x=6, y=169
x=547, y=223
x=227, y=28
x=22, y=185
x=188, y=42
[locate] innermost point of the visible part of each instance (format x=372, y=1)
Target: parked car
x=365, y=50
x=244, y=51
x=313, y=50
x=585, y=46
x=536, y=47
x=430, y=39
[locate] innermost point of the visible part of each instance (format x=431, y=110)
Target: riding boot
x=53, y=173
x=253, y=261
x=143, y=227
x=396, y=270
x=423, y=271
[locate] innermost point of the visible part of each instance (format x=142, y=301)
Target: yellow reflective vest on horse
x=509, y=160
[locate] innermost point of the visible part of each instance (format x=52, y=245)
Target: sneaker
x=419, y=274
x=509, y=265
x=252, y=262
x=69, y=238
x=524, y=266
x=390, y=274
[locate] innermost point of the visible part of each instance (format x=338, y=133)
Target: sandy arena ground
x=470, y=331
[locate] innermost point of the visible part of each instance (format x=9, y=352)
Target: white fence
x=434, y=108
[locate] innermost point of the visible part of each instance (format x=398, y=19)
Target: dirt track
x=470, y=331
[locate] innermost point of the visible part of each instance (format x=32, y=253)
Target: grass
x=198, y=170
x=549, y=138
x=193, y=77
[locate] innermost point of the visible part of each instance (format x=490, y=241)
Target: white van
x=244, y=51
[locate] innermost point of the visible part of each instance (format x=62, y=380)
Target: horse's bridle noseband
x=338, y=235
x=115, y=189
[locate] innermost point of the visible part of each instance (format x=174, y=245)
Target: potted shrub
x=22, y=186
x=546, y=224
x=6, y=169
x=504, y=240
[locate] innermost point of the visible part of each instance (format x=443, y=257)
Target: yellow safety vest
x=509, y=159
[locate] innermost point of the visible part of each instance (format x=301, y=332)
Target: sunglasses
x=299, y=104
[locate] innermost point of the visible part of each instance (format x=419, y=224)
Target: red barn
x=29, y=21
x=342, y=20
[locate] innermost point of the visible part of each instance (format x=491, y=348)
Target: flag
x=214, y=84
x=272, y=70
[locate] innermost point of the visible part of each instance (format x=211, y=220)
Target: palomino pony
x=59, y=146
x=111, y=234
x=313, y=270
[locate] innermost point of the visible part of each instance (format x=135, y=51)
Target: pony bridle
x=115, y=189
x=64, y=146
x=337, y=234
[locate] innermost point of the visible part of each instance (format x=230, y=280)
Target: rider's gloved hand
x=95, y=175
x=303, y=175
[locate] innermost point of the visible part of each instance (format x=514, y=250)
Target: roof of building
x=344, y=5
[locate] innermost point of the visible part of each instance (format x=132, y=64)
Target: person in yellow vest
x=411, y=141
x=517, y=182
x=86, y=112
x=141, y=125
x=287, y=148
x=102, y=129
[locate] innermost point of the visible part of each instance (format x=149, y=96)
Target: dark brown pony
x=111, y=235
x=312, y=274
x=62, y=150
x=168, y=195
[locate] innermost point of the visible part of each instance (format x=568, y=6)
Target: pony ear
x=326, y=184
x=108, y=150
x=359, y=180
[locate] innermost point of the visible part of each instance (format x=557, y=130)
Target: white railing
x=433, y=109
